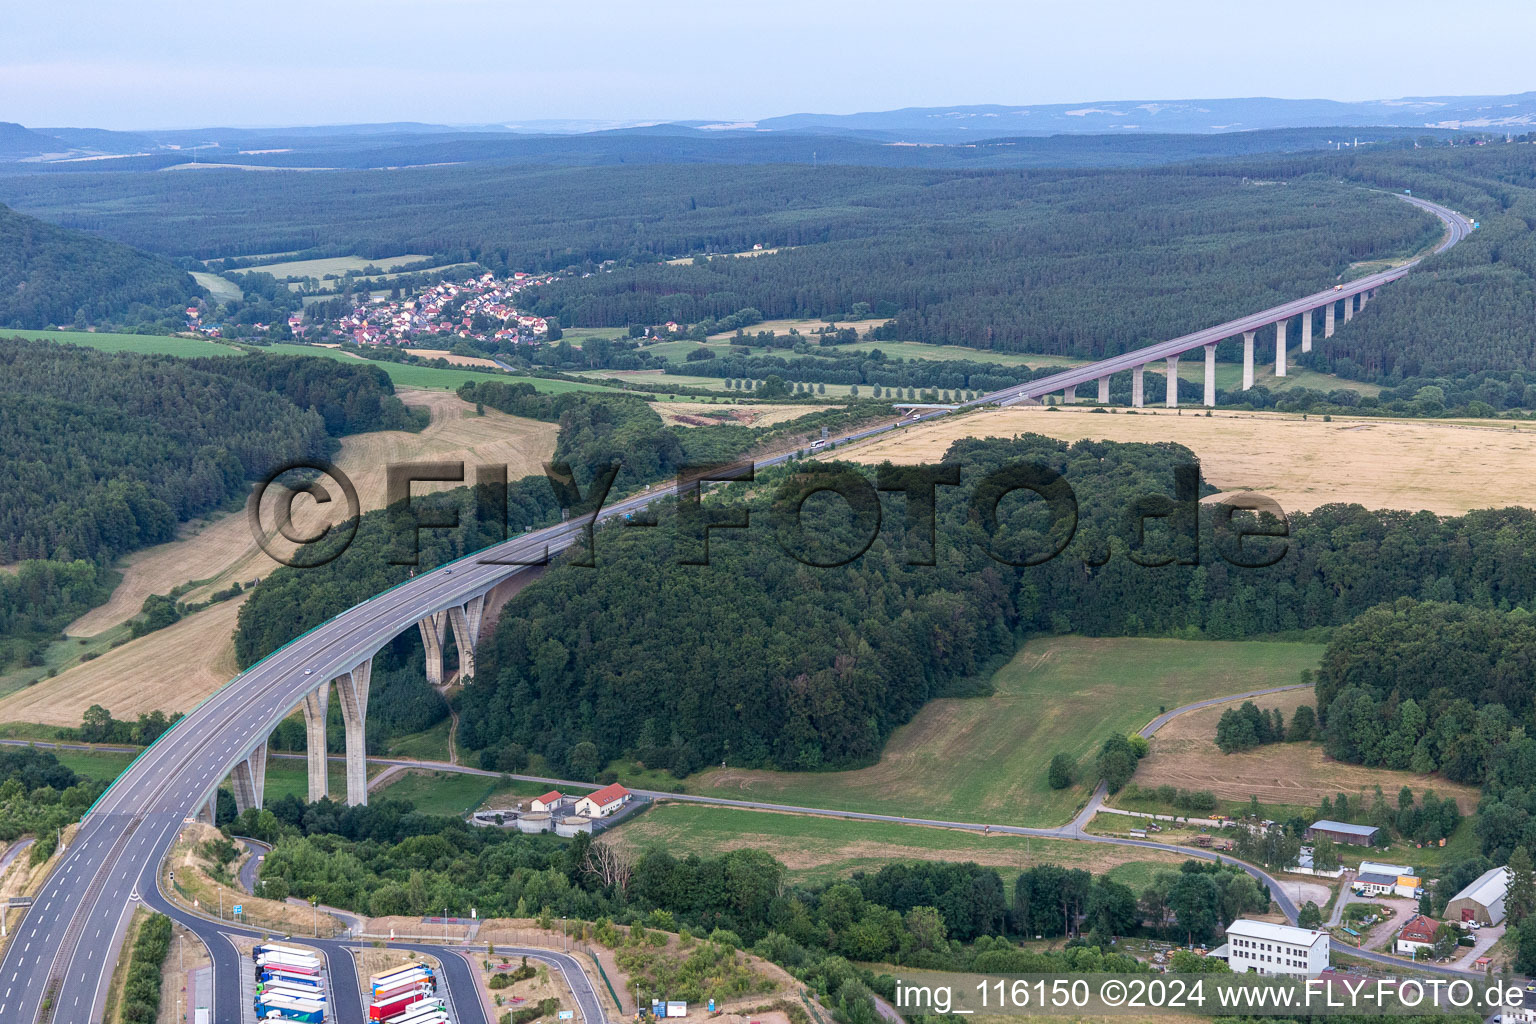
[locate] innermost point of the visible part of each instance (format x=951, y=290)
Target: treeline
x=141, y=988
x=52, y=276
x=350, y=399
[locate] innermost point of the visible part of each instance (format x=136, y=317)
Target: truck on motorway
x=428, y=1011
x=383, y=1011
x=384, y=985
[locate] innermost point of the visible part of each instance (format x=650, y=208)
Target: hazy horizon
x=165, y=64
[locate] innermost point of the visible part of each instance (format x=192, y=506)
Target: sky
x=178, y=63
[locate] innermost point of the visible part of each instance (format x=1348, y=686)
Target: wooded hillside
x=50, y=275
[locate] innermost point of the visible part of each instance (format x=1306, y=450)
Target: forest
x=50, y=275
x=110, y=452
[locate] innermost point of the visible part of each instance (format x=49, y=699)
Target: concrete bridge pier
x=316, y=705
x=207, y=814
x=1349, y=308
x=352, y=691
x=1280, y=349
x=1306, y=330
x=1172, y=399
x=1210, y=375
x=466, y=619
x=1248, y=359
x=1069, y=395
x=434, y=630
x=1103, y=390
x=1136, y=386
x=249, y=778
x=1328, y=316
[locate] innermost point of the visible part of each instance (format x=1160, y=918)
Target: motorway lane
x=82, y=903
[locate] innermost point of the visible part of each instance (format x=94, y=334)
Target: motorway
x=67, y=944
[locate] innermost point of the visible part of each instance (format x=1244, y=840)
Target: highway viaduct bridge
x=61, y=957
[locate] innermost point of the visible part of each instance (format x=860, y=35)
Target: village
x=481, y=308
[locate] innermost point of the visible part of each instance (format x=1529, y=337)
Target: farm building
x=1305, y=866
x=1344, y=832
x=1258, y=947
x=603, y=802
x=1482, y=901
x=1371, y=884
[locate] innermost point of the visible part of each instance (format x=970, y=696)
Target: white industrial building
x=1259, y=947
x=1482, y=901
x=603, y=802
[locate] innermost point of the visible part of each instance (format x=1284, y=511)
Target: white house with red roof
x=604, y=802
x=551, y=801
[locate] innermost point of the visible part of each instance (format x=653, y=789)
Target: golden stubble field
x=1184, y=754
x=1447, y=467
x=171, y=669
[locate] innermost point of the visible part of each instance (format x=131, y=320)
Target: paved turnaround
x=60, y=962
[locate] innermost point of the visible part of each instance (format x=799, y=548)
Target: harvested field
x=171, y=669
x=436, y=353
x=1184, y=754
x=1445, y=466
x=223, y=552
x=702, y=414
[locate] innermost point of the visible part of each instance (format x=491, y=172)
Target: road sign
x=239, y=907
x=566, y=1014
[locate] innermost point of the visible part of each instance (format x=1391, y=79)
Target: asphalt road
x=67, y=944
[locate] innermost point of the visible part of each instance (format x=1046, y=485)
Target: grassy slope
x=984, y=758
x=818, y=849
x=152, y=344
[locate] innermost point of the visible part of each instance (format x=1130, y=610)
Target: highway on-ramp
x=62, y=956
